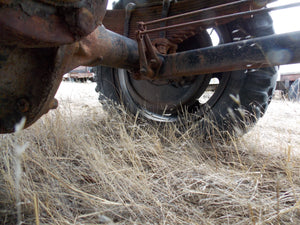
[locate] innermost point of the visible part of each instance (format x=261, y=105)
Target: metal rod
x=192, y=13
x=230, y=16
x=253, y=53
x=106, y=48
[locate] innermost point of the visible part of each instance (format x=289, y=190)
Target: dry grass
x=93, y=168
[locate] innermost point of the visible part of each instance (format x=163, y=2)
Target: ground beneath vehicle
x=164, y=51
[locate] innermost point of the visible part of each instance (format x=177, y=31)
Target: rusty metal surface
x=104, y=47
x=42, y=40
x=214, y=19
x=194, y=12
x=29, y=80
x=111, y=20
x=30, y=77
x=48, y=23
x=34, y=55
x=249, y=54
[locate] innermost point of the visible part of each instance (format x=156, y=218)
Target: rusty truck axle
x=273, y=50
x=42, y=40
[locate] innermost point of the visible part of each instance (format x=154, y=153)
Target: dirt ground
x=77, y=95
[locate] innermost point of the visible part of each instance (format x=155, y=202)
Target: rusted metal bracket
x=149, y=66
x=164, y=14
x=128, y=12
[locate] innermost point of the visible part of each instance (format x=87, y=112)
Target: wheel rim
x=167, y=101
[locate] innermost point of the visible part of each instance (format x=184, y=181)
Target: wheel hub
x=169, y=96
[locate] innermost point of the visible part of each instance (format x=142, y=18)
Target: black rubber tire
x=244, y=99
x=294, y=91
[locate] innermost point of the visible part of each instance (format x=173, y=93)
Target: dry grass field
x=85, y=166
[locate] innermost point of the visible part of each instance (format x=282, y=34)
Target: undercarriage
x=157, y=58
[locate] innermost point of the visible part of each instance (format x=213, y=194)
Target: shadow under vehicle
x=155, y=57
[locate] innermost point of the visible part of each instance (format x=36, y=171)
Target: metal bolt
x=53, y=104
x=153, y=63
x=143, y=71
